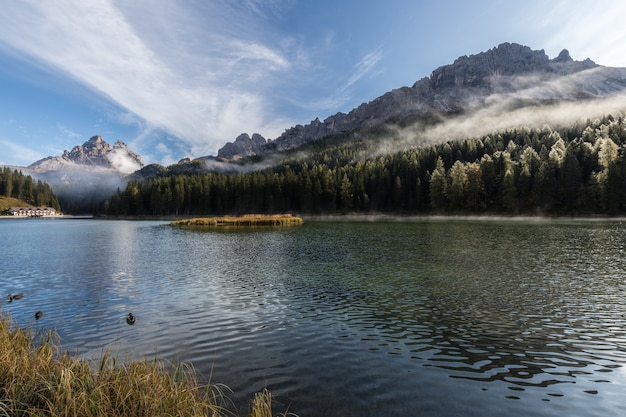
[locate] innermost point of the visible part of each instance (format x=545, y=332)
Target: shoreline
x=384, y=217
x=61, y=217
x=358, y=217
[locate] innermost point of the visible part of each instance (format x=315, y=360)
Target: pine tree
x=439, y=187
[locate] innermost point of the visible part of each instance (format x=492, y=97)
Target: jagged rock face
x=469, y=82
x=244, y=145
x=475, y=70
x=92, y=152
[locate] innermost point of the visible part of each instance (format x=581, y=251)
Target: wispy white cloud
x=588, y=28
x=121, y=162
x=364, y=67
x=65, y=131
x=206, y=71
x=20, y=155
x=202, y=95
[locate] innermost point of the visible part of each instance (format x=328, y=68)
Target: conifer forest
x=578, y=170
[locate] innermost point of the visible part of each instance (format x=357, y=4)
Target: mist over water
x=436, y=317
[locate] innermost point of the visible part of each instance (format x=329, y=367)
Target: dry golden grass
x=261, y=406
x=37, y=379
x=246, y=220
x=8, y=202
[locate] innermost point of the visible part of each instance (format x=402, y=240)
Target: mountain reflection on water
x=353, y=318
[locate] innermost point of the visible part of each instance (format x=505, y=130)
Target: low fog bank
x=524, y=101
x=497, y=117
x=502, y=116
x=258, y=163
x=80, y=188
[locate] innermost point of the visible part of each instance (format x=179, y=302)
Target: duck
x=15, y=297
x=38, y=315
x=130, y=319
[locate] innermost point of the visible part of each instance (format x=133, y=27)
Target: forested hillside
x=576, y=170
x=14, y=184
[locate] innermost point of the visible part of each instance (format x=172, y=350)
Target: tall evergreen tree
x=439, y=187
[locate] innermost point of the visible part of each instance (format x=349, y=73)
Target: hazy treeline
x=576, y=170
x=17, y=185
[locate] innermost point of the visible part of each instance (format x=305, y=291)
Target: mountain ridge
x=510, y=70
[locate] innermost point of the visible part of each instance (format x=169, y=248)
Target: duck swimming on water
x=38, y=315
x=130, y=319
x=15, y=297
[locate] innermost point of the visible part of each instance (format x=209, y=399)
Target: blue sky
x=178, y=79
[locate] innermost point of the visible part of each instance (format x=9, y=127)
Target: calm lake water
x=422, y=318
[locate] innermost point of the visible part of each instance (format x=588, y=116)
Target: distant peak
x=96, y=152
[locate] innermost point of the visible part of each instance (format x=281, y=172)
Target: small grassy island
x=38, y=379
x=245, y=220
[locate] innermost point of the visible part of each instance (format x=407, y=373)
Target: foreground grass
x=246, y=220
x=37, y=379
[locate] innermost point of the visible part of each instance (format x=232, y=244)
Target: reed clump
x=38, y=379
x=245, y=220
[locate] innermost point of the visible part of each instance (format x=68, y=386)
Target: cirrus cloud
x=201, y=99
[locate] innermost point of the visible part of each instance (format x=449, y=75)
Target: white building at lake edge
x=32, y=212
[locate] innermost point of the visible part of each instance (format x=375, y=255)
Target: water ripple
x=347, y=319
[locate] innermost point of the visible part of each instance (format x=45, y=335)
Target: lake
x=432, y=317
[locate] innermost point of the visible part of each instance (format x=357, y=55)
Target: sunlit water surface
x=424, y=318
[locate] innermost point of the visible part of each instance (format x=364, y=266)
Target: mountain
x=96, y=152
x=476, y=95
x=510, y=75
x=88, y=173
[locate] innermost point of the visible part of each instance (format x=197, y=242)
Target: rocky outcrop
x=465, y=84
x=476, y=71
x=92, y=152
x=244, y=145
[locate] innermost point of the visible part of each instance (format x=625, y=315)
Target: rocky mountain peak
x=95, y=152
x=92, y=152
